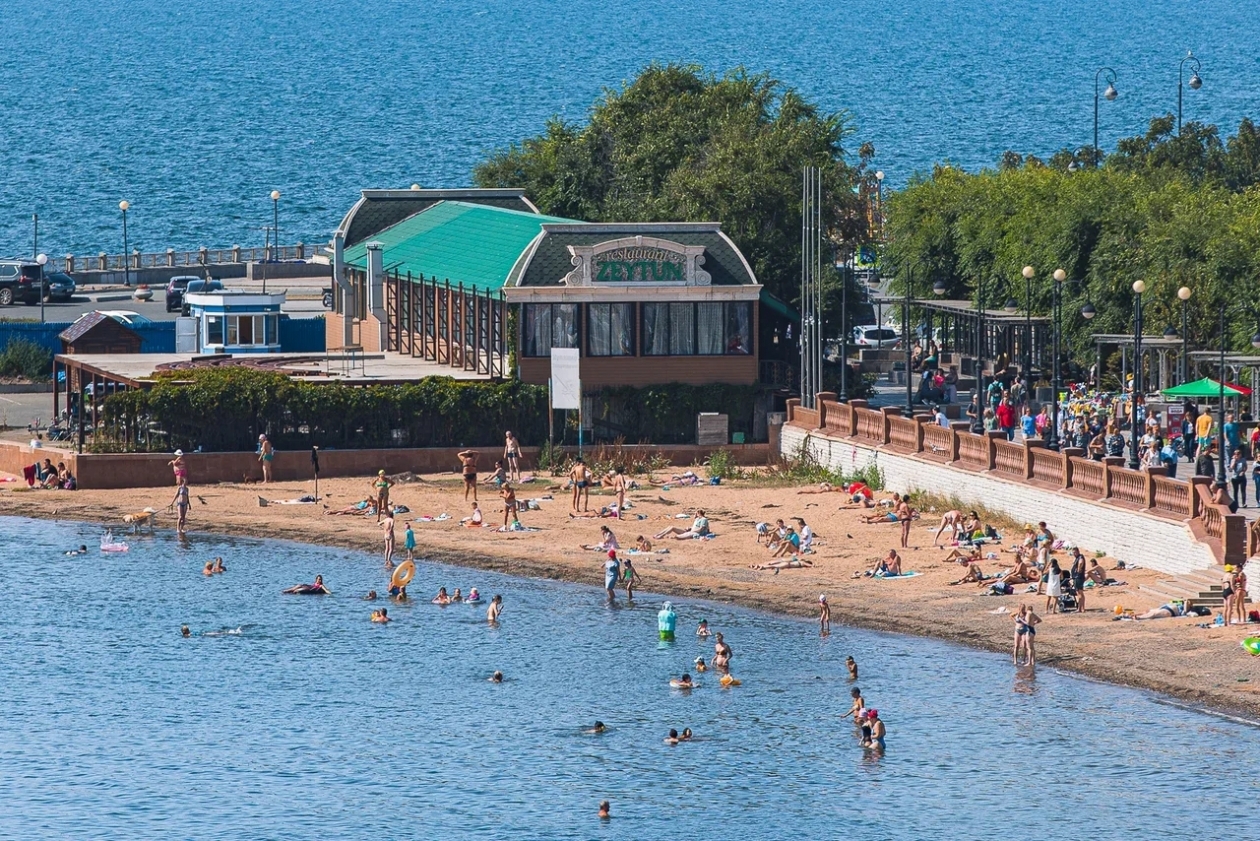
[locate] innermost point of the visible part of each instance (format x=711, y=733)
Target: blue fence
x=297, y=335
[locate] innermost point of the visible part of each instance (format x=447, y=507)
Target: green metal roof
x=778, y=306
x=453, y=240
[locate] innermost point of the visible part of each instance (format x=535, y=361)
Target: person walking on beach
x=266, y=453
x=619, y=488
x=468, y=465
x=824, y=616
x=381, y=486
x=180, y=502
x=512, y=456
x=387, y=526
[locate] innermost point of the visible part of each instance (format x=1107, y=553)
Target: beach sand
x=1202, y=666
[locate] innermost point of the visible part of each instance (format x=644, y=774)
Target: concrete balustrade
x=1069, y=472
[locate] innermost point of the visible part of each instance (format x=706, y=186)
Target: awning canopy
x=1206, y=387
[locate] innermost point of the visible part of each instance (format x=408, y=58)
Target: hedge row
x=226, y=409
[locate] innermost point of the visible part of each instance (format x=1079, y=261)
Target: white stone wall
x=1131, y=536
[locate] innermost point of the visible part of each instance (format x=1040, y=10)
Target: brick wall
x=1131, y=536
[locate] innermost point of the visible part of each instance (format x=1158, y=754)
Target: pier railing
x=1108, y=481
x=171, y=258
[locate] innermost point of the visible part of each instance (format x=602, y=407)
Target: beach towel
x=910, y=574
x=515, y=527
x=28, y=473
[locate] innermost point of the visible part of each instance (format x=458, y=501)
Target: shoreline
x=1131, y=654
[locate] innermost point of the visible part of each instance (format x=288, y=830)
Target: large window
x=669, y=329
x=697, y=329
x=249, y=330
x=610, y=329
x=545, y=326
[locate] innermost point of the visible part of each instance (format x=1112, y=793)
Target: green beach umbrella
x=1206, y=387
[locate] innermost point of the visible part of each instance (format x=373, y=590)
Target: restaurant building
x=479, y=281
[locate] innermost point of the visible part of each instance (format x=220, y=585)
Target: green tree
x=678, y=144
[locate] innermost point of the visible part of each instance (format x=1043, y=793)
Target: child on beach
x=409, y=542
x=824, y=615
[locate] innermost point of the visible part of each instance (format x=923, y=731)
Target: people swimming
x=457, y=596
x=316, y=589
x=442, y=597
x=605, y=810
x=852, y=666
x=370, y=597
x=185, y=631
x=381, y=616
x=497, y=677
x=702, y=630
x=473, y=596
x=495, y=608
x=683, y=682
x=672, y=738
x=700, y=665
x=597, y=728
x=685, y=735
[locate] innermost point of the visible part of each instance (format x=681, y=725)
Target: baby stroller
x=1067, y=595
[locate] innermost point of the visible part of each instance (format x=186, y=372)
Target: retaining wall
x=1131, y=536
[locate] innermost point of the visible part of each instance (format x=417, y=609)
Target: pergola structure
x=989, y=336
x=1160, y=359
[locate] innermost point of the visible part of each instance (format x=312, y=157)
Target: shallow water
x=195, y=111
x=314, y=723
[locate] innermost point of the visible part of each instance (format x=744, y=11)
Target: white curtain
x=712, y=329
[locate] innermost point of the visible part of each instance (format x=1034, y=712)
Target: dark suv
x=175, y=291
x=198, y=285
x=20, y=281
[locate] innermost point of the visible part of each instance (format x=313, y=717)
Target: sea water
x=296, y=717
x=194, y=111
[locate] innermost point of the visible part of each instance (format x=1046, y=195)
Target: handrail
x=1128, y=486
x=1009, y=458
x=807, y=417
x=1171, y=497
x=105, y=262
x=1047, y=465
x=903, y=433
x=1089, y=476
x=870, y=425
x=973, y=450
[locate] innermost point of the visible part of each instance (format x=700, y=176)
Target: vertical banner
x=566, y=385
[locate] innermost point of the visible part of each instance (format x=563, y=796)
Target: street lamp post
x=905, y=332
x=42, y=259
x=1029, y=273
x=1056, y=383
x=1184, y=294
x=844, y=330
x=1110, y=94
x=124, y=206
x=275, y=236
x=1134, y=433
x=1195, y=81
x=879, y=201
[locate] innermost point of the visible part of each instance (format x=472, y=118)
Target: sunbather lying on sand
x=363, y=506
x=973, y=576
x=785, y=563
x=964, y=557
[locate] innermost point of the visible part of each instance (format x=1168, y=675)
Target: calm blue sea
x=287, y=717
x=195, y=110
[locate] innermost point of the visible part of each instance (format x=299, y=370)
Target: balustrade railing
x=1090, y=477
x=837, y=416
x=1128, y=486
x=1009, y=458
x=903, y=433
x=870, y=425
x=938, y=441
x=171, y=258
x=1171, y=497
x=1047, y=466
x=806, y=417
x=973, y=450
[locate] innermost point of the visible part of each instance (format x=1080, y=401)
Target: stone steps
x=1201, y=587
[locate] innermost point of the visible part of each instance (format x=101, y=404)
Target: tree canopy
x=1170, y=210
x=677, y=144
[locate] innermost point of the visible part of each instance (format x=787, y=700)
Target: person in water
x=702, y=630
x=672, y=738
x=184, y=631
x=457, y=596
x=700, y=665
x=877, y=729
x=629, y=576
x=858, y=707
x=824, y=615
x=851, y=665
x=599, y=727
x=441, y=597
x=218, y=566
x=380, y=616
x=181, y=503
x=316, y=589
x=612, y=570
x=683, y=682
x=685, y=736
x=495, y=608
x=605, y=810
x=208, y=569
x=497, y=677
x=370, y=597
x=721, y=655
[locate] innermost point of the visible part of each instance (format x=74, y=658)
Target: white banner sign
x=566, y=385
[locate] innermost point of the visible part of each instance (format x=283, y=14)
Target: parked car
x=131, y=319
x=199, y=285
x=19, y=281
x=175, y=291
x=872, y=335
x=61, y=286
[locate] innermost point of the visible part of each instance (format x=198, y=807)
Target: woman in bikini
x=1240, y=594
x=468, y=464
x=381, y=486
x=722, y=654
x=181, y=468
x=1026, y=634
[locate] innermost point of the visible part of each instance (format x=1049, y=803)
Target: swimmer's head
x=673, y=734
x=319, y=579
x=704, y=623
x=371, y=595
x=599, y=725
x=686, y=733
x=497, y=677
x=686, y=678
x=855, y=692
x=183, y=629
x=82, y=548
x=384, y=611
x=699, y=661
x=872, y=714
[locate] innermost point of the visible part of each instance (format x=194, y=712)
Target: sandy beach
x=1203, y=666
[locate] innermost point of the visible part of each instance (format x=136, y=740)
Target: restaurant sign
x=637, y=261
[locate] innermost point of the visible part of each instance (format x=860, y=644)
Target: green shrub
x=26, y=359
